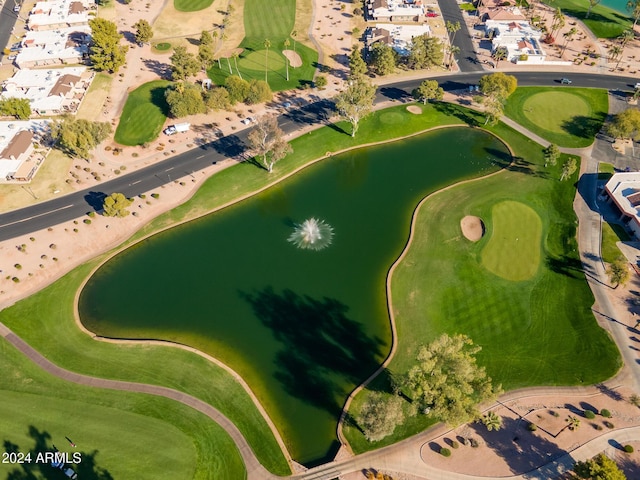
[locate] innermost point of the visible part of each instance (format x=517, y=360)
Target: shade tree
x=428, y=90
x=183, y=63
x=144, y=32
x=77, y=137
x=356, y=102
x=267, y=141
x=106, y=53
x=600, y=467
x=115, y=205
x=379, y=415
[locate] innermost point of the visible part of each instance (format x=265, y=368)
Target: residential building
x=520, y=39
x=19, y=157
x=51, y=47
x=50, y=92
x=501, y=14
x=399, y=37
x=624, y=190
x=395, y=11
x=56, y=14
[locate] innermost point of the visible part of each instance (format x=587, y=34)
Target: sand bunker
x=414, y=109
x=294, y=59
x=472, y=228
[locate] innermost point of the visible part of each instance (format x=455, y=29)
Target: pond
x=303, y=327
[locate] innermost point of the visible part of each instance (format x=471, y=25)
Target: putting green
x=513, y=249
x=256, y=61
x=553, y=110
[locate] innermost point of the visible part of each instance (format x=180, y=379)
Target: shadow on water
x=87, y=468
x=322, y=350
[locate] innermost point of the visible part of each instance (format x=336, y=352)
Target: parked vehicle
x=177, y=128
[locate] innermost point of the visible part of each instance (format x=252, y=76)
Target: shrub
x=357, y=11
x=589, y=414
x=532, y=427
x=55, y=259
x=87, y=221
x=445, y=452
x=43, y=257
x=555, y=414
x=628, y=448
x=454, y=444
x=15, y=280
x=155, y=195
x=605, y=413
x=608, y=424
x=32, y=239
x=53, y=246
x=473, y=442
x=91, y=214
x=143, y=196
x=18, y=266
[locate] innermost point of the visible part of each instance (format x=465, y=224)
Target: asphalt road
x=467, y=59
x=58, y=210
x=7, y=21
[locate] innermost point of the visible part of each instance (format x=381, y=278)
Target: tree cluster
x=115, y=205
x=77, y=137
x=19, y=108
x=426, y=52
x=379, y=415
x=600, y=467
x=106, y=52
x=183, y=63
x=497, y=87
x=625, y=124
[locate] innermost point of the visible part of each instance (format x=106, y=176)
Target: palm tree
x=235, y=59
x=286, y=59
x=572, y=422
x=615, y=52
x=626, y=36
x=500, y=53
x=568, y=36
x=267, y=45
x=453, y=51
x=452, y=28
x=634, y=7
x=492, y=421
x=294, y=34
x=592, y=3
x=559, y=21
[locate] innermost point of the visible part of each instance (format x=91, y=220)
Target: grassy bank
x=143, y=115
x=603, y=21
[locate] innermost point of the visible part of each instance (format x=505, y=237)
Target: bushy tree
x=356, y=102
x=625, y=124
x=428, y=90
x=115, y=205
x=357, y=67
x=184, y=99
x=379, y=415
x=19, y=108
x=447, y=382
x=498, y=84
x=568, y=168
x=77, y=137
x=144, y=32
x=266, y=139
x=551, y=154
x=217, y=98
x=383, y=59
x=238, y=88
x=183, y=63
x=426, y=52
x=106, y=52
x=600, y=467
x=259, y=92
x=492, y=421
x=618, y=271
x=206, y=49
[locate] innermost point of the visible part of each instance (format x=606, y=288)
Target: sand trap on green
x=256, y=61
x=553, y=110
x=513, y=249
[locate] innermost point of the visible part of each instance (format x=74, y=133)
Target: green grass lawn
x=568, y=117
x=536, y=331
x=38, y=411
x=281, y=15
x=143, y=115
x=512, y=249
x=604, y=22
x=191, y=5
x=541, y=335
x=605, y=171
x=611, y=234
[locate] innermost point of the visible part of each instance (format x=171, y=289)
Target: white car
x=638, y=86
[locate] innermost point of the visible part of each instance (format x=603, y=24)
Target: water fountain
x=313, y=234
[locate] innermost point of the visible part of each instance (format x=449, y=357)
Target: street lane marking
x=39, y=215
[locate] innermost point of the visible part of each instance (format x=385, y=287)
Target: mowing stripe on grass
x=513, y=250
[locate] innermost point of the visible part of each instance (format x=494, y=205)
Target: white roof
x=620, y=187
x=404, y=32
x=57, y=18
x=7, y=131
x=35, y=85
x=50, y=53
x=46, y=37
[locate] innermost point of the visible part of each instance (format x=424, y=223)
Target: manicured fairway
x=278, y=28
x=116, y=432
x=513, y=249
x=191, y=5
x=604, y=22
x=143, y=115
x=566, y=116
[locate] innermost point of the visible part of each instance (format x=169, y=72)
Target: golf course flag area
x=513, y=249
x=269, y=28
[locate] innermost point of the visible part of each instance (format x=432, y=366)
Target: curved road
x=53, y=212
